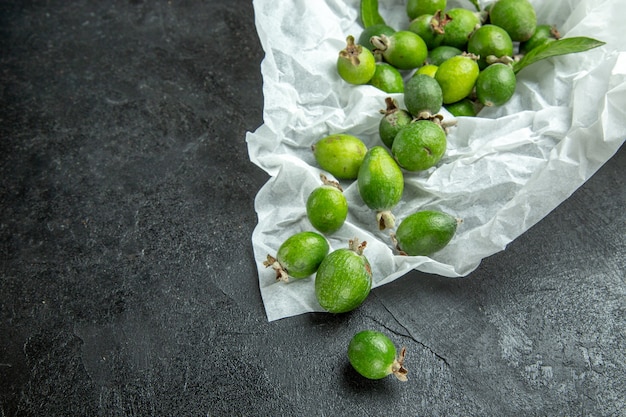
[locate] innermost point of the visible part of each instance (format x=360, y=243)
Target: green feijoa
x=517, y=17
x=456, y=77
x=404, y=49
x=387, y=78
x=422, y=96
x=490, y=42
x=381, y=183
x=462, y=23
x=419, y=146
x=425, y=232
x=496, y=84
x=299, y=256
x=344, y=279
x=327, y=206
x=373, y=355
x=355, y=64
x=416, y=8
x=394, y=119
x=543, y=34
x=340, y=154
x=430, y=28
x=374, y=30
x=465, y=107
x=441, y=53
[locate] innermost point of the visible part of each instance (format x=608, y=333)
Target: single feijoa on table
x=381, y=184
x=327, y=206
x=355, y=64
x=393, y=120
x=299, y=256
x=425, y=232
x=373, y=355
x=420, y=145
x=344, y=279
x=340, y=154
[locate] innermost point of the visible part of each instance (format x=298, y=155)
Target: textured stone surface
x=127, y=284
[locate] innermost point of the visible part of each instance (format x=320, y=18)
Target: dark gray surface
x=128, y=285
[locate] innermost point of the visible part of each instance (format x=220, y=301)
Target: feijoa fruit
x=344, y=279
x=327, y=206
x=394, y=119
x=381, y=184
x=373, y=355
x=425, y=232
x=340, y=154
x=299, y=256
x=355, y=64
x=420, y=145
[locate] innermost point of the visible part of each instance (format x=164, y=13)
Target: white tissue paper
x=503, y=171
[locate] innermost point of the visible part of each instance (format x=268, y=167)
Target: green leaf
x=369, y=13
x=559, y=47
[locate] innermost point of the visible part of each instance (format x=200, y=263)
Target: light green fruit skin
x=453, y=88
x=419, y=146
x=387, y=78
x=340, y=154
x=405, y=50
x=416, y=8
x=380, y=180
x=459, y=29
x=496, y=85
x=428, y=69
x=372, y=354
x=425, y=232
x=390, y=125
x=301, y=254
x=500, y=44
x=517, y=17
x=343, y=281
x=422, y=93
x=357, y=73
x=327, y=208
x=421, y=26
x=374, y=30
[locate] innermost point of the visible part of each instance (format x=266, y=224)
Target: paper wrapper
x=502, y=172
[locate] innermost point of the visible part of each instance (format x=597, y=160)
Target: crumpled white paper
x=503, y=171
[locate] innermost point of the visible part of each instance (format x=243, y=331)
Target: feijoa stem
x=351, y=51
x=380, y=42
x=331, y=183
x=439, y=22
x=398, y=369
x=281, y=274
x=385, y=219
x=354, y=245
x=392, y=106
